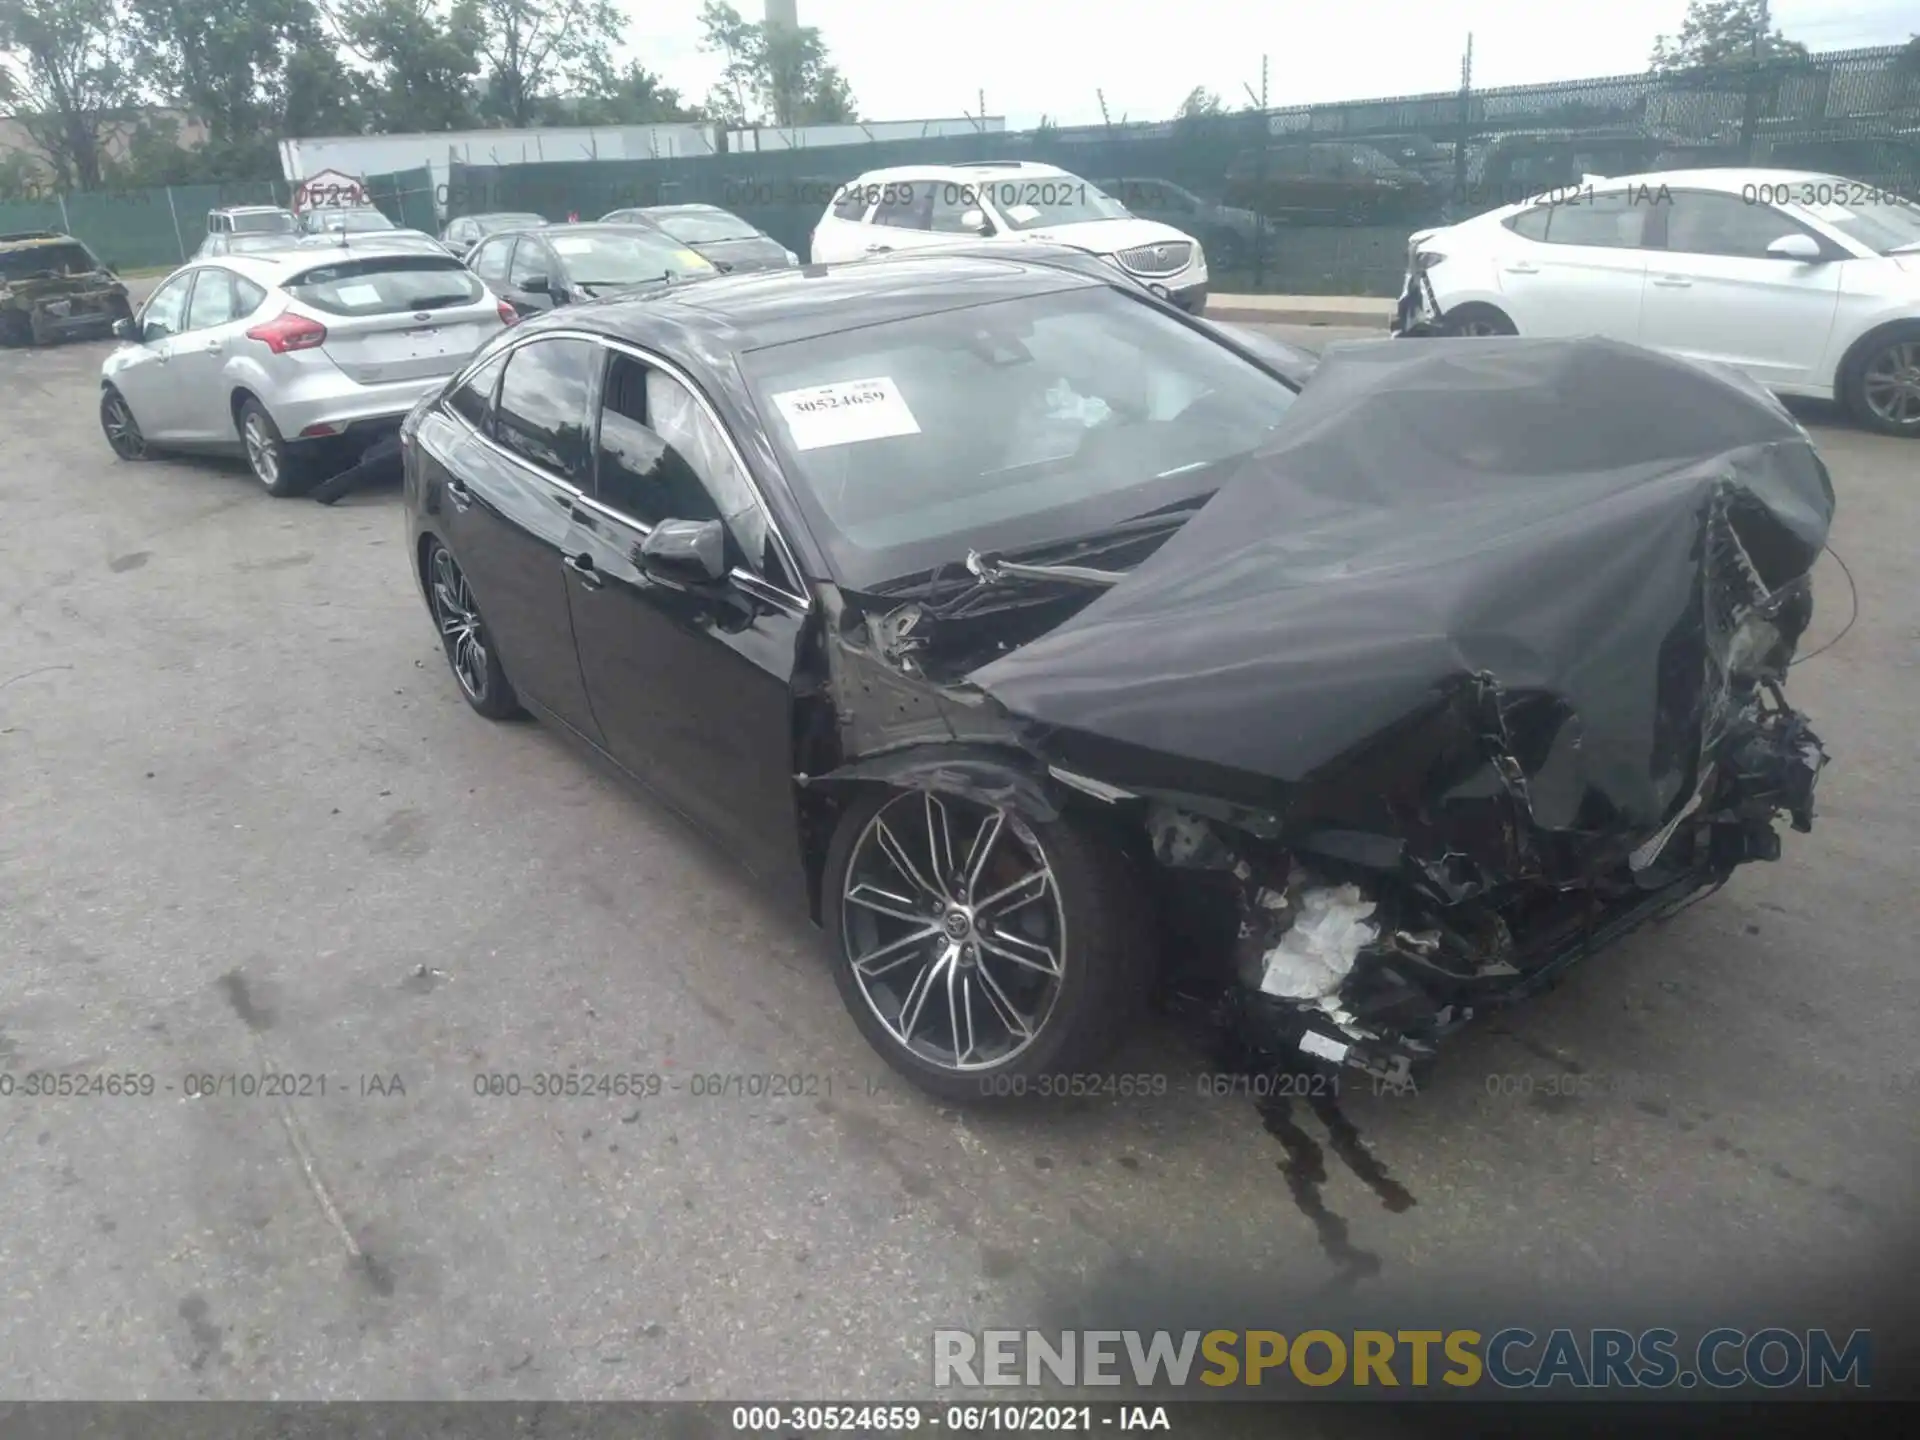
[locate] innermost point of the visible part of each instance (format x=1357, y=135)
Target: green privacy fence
x=135, y=229
x=1306, y=199
x=1320, y=199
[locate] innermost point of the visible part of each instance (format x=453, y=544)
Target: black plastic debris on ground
x=378, y=463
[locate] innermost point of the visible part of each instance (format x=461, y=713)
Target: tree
x=425, y=61
x=772, y=74
x=1200, y=104
x=1722, y=34
x=250, y=70
x=74, y=73
x=633, y=96
x=530, y=49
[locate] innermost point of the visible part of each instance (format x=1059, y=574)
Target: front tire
x=121, y=429
x=980, y=953
x=1882, y=389
x=280, y=469
x=464, y=636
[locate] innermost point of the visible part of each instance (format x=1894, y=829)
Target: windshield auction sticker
x=846, y=412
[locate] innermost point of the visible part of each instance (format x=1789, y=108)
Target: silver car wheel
x=954, y=929
x=122, y=430
x=263, y=450
x=459, y=625
x=1891, y=384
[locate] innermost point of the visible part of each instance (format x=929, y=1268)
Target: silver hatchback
x=298, y=359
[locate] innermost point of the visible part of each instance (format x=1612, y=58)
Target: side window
x=662, y=457
x=1531, y=224
x=529, y=263
x=166, y=311
x=490, y=261
x=473, y=401
x=1702, y=223
x=1608, y=221
x=212, y=302
x=852, y=204
x=907, y=206
x=247, y=297
x=542, y=414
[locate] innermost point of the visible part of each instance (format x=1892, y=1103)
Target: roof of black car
x=753, y=310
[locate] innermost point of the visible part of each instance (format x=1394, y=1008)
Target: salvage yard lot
x=247, y=826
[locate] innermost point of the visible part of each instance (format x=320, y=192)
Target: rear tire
x=1086, y=913
x=464, y=636
x=1882, y=387
x=280, y=469
x=1477, y=321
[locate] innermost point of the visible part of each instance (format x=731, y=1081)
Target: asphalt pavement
x=247, y=827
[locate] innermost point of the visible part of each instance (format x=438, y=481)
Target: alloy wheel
x=459, y=624
x=263, y=450
x=1891, y=384
x=123, y=431
x=954, y=929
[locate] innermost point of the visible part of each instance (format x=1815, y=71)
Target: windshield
x=698, y=227
x=70, y=258
x=265, y=222
x=352, y=221
x=631, y=257
x=1884, y=224
x=1053, y=200
x=239, y=244
x=1006, y=425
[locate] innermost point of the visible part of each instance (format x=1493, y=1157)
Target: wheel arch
x=1857, y=353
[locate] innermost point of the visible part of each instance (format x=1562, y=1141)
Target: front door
x=146, y=377
x=691, y=685
x=531, y=277
x=1713, y=292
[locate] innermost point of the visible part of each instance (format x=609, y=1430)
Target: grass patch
x=145, y=272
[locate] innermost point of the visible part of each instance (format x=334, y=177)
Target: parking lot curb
x=1361, y=312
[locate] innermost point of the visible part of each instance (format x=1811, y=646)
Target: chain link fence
x=1304, y=200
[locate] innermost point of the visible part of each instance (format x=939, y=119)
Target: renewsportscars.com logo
x=1774, y=1358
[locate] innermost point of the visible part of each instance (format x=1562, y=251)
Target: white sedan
x=1809, y=283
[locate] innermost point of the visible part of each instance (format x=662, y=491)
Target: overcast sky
x=922, y=59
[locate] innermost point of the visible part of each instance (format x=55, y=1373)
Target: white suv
x=1808, y=283
x=921, y=207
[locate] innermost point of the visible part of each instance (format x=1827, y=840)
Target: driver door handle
x=879, y=250
x=1672, y=282
x=1522, y=267
x=582, y=566
x=461, y=496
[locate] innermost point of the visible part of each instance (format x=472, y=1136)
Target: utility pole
x=1466, y=123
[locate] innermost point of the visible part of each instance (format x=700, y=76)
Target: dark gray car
x=717, y=235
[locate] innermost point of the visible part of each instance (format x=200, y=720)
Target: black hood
x=1461, y=568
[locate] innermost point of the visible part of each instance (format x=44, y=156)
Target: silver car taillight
x=289, y=331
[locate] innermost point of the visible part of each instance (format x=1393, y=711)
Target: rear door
x=692, y=687
x=1575, y=265
x=1713, y=292
x=146, y=377
x=510, y=490
x=395, y=318
x=217, y=317
x=841, y=234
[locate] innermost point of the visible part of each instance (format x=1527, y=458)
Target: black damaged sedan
x=1055, y=649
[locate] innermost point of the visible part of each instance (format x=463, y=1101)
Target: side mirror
x=1796, y=246
x=537, y=285
x=686, y=552
x=154, y=331
x=123, y=330
x=977, y=222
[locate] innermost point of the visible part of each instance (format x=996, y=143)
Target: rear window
x=698, y=227
x=387, y=286
x=71, y=258
x=265, y=222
